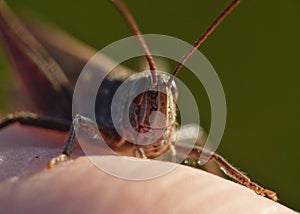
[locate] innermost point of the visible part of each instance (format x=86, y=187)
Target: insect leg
x=187, y=137
x=139, y=152
x=194, y=152
x=78, y=122
x=70, y=143
x=239, y=177
x=32, y=119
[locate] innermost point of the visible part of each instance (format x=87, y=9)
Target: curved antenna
x=134, y=28
x=203, y=37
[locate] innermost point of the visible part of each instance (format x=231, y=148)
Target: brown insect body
x=39, y=71
x=151, y=105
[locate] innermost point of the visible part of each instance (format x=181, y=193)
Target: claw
x=271, y=195
x=56, y=160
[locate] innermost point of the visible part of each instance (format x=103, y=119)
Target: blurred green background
x=255, y=52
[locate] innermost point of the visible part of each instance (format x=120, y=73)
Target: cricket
x=43, y=75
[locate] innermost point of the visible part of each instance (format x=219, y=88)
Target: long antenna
x=134, y=28
x=203, y=37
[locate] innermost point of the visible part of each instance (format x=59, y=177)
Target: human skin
x=78, y=186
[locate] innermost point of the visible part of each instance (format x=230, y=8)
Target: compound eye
x=174, y=90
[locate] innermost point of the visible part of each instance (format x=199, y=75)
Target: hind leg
x=193, y=154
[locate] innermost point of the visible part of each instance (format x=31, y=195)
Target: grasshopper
x=38, y=70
